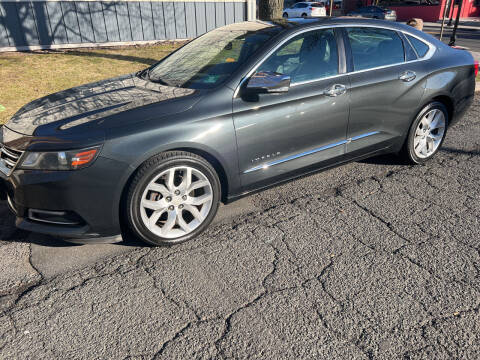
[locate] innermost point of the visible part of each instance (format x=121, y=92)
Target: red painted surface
x=430, y=13
x=469, y=9
x=426, y=13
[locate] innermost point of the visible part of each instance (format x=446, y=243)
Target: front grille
x=9, y=156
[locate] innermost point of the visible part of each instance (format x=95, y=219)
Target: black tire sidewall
x=410, y=152
x=285, y=15
x=146, y=174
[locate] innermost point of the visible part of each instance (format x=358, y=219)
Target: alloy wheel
x=429, y=133
x=176, y=202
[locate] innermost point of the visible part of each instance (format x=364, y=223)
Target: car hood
x=84, y=104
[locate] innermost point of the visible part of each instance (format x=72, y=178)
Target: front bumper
x=390, y=17
x=91, y=196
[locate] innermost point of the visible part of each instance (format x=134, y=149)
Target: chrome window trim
x=428, y=55
x=3, y=168
x=310, y=152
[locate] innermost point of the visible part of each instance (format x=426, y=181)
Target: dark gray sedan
x=236, y=110
x=375, y=12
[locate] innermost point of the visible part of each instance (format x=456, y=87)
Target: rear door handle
x=335, y=90
x=407, y=76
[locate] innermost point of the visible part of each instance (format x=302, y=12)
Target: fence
x=47, y=24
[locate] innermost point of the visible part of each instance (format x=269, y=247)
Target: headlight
x=62, y=160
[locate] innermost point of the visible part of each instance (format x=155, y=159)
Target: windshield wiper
x=160, y=81
x=145, y=75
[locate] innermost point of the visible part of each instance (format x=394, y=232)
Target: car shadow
x=391, y=159
x=388, y=159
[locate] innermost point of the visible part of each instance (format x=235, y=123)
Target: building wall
x=470, y=8
x=434, y=13
x=37, y=24
x=426, y=13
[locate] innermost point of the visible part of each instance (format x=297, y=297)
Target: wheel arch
x=449, y=104
x=216, y=164
x=444, y=99
x=211, y=159
x=205, y=154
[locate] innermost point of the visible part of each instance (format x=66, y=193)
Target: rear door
x=278, y=134
x=385, y=87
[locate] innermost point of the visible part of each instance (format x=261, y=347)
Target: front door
x=278, y=134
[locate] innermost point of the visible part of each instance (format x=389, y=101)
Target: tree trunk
x=270, y=9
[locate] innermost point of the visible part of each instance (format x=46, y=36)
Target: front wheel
x=285, y=15
x=426, y=133
x=173, y=197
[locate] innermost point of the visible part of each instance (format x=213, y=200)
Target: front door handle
x=335, y=90
x=407, y=76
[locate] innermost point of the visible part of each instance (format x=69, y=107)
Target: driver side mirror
x=267, y=82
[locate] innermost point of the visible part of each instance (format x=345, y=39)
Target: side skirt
x=309, y=171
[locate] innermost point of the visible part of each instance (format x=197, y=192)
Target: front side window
x=210, y=59
x=372, y=47
x=420, y=47
x=308, y=56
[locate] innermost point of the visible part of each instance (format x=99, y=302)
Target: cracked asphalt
x=372, y=260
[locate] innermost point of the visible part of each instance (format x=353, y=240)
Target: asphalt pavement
x=371, y=260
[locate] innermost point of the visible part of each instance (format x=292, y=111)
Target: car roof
x=291, y=25
x=296, y=23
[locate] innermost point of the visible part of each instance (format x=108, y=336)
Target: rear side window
x=373, y=47
x=420, y=47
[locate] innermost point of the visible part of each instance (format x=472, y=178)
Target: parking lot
x=375, y=259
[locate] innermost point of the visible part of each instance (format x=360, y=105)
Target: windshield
x=210, y=59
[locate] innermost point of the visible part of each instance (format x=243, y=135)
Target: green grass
x=28, y=76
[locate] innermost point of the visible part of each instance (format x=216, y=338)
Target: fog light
x=54, y=217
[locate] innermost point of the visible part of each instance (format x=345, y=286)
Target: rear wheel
x=304, y=15
x=426, y=133
x=285, y=15
x=173, y=198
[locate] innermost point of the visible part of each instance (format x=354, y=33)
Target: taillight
x=475, y=66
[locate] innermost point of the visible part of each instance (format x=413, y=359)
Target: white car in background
x=305, y=9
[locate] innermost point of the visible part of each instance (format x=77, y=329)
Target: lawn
x=28, y=76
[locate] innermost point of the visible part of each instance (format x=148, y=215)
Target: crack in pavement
x=340, y=264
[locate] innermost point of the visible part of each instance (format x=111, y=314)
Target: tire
x=162, y=212
x=414, y=142
x=304, y=15
x=285, y=15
